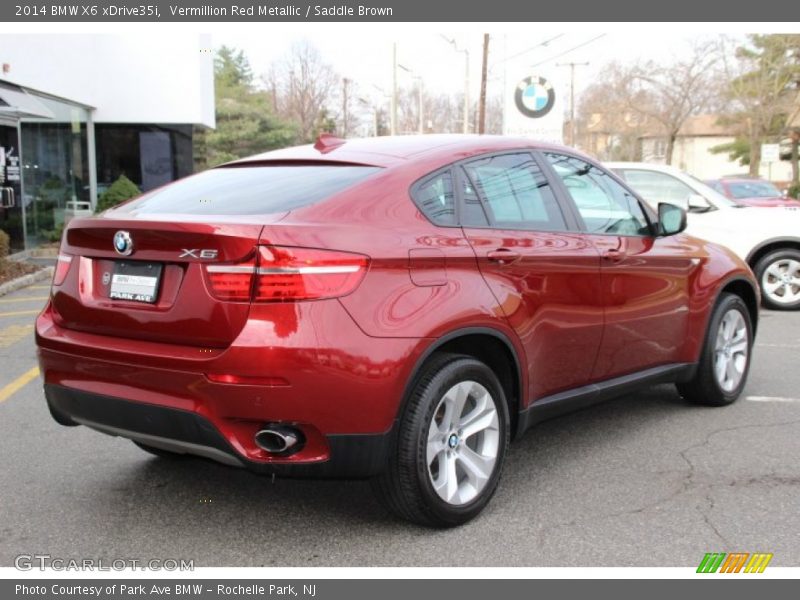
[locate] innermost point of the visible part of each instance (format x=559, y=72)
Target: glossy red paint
x=574, y=308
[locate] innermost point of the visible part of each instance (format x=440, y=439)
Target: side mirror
x=696, y=203
x=671, y=219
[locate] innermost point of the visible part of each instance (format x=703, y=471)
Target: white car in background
x=768, y=239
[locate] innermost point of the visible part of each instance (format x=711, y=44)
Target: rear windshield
x=250, y=190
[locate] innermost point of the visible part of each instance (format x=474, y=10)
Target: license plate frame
x=135, y=281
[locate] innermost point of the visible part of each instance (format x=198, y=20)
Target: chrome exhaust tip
x=279, y=439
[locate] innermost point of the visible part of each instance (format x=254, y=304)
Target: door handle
x=614, y=255
x=502, y=256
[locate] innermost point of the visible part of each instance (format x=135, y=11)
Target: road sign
x=770, y=153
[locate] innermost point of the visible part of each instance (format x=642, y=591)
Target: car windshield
x=753, y=189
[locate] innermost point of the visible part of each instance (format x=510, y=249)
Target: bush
x=794, y=191
x=121, y=190
x=5, y=245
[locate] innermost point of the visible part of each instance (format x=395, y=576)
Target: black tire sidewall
x=761, y=268
x=460, y=369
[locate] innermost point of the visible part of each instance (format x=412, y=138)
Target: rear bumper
x=340, y=387
x=186, y=432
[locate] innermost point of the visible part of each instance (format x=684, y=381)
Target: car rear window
x=250, y=190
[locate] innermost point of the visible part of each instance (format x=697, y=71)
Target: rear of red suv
x=188, y=321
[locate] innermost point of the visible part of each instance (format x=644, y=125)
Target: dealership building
x=78, y=111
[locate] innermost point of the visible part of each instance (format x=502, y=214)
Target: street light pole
x=466, y=80
x=482, y=99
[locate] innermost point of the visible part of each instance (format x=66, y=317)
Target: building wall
x=693, y=155
x=127, y=78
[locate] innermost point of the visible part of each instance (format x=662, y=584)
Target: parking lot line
x=19, y=383
x=19, y=313
x=38, y=287
x=13, y=333
x=22, y=299
x=771, y=399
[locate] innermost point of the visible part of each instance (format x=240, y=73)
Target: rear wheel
x=451, y=444
x=725, y=362
x=778, y=275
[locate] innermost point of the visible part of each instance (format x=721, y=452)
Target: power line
x=540, y=44
x=586, y=43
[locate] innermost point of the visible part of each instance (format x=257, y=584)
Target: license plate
x=135, y=281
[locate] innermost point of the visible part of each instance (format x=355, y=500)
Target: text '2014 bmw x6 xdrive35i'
x=392, y=308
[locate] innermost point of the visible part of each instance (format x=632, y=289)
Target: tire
x=725, y=360
x=778, y=275
x=465, y=467
x=159, y=452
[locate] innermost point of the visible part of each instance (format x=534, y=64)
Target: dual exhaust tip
x=280, y=439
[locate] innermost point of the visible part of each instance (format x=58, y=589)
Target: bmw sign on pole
x=534, y=107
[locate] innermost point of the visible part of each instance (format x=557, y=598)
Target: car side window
x=605, y=206
x=516, y=193
x=472, y=213
x=434, y=197
x=658, y=187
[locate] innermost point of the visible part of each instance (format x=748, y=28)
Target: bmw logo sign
x=534, y=97
x=123, y=243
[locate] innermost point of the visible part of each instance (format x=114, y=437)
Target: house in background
x=628, y=137
x=78, y=111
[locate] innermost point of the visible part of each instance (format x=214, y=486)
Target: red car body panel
x=342, y=366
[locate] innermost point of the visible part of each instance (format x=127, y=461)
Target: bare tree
x=303, y=88
x=610, y=123
x=668, y=94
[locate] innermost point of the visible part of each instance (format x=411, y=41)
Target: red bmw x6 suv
x=391, y=308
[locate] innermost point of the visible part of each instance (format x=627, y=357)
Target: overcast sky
x=365, y=56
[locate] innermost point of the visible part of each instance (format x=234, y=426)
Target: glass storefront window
x=55, y=169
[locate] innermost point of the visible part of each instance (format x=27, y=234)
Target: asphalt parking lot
x=645, y=480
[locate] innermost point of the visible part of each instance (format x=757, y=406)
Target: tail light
x=285, y=274
x=62, y=268
x=231, y=282
x=306, y=274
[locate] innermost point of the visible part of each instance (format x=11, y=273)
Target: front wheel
x=451, y=444
x=778, y=275
x=725, y=360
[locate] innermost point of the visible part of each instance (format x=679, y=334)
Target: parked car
x=751, y=192
x=768, y=239
x=391, y=308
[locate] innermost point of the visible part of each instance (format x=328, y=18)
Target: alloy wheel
x=731, y=350
x=463, y=442
x=781, y=281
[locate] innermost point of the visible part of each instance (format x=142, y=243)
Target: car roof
x=386, y=151
x=641, y=165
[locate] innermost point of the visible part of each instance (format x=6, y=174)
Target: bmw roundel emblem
x=534, y=97
x=123, y=243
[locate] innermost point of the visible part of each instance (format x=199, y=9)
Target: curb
x=26, y=280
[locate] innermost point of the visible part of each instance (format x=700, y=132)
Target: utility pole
x=572, y=65
x=345, y=124
x=482, y=98
x=393, y=115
